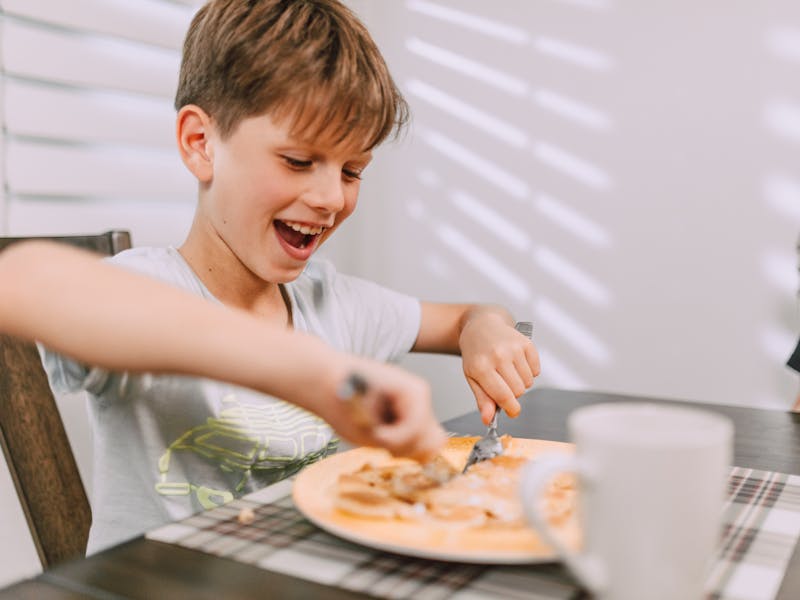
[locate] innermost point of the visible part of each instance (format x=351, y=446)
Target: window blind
x=88, y=124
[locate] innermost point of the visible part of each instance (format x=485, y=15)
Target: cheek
x=348, y=210
x=350, y=202
x=343, y=214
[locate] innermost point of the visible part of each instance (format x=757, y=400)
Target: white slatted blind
x=88, y=136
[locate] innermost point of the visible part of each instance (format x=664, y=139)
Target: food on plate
x=439, y=494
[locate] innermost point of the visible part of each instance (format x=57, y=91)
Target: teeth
x=304, y=229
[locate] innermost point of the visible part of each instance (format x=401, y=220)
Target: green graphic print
x=273, y=439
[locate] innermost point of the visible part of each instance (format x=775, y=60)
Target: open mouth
x=297, y=235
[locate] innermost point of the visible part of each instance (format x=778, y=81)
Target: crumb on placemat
x=246, y=516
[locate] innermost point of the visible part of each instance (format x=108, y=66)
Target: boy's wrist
x=484, y=313
x=329, y=384
x=488, y=311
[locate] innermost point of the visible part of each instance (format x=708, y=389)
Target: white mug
x=651, y=487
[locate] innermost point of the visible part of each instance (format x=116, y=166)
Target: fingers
x=388, y=407
x=503, y=376
x=524, y=368
x=498, y=392
x=532, y=359
x=486, y=406
x=414, y=432
x=404, y=439
x=513, y=379
x=499, y=381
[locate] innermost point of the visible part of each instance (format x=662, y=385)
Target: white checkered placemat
x=761, y=529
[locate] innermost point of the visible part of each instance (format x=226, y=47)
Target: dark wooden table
x=768, y=440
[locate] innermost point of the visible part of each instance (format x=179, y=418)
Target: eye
x=351, y=174
x=296, y=163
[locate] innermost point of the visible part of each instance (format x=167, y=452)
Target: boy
x=280, y=104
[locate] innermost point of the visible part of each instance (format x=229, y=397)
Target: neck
x=231, y=282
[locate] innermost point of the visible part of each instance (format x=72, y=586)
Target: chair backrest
x=34, y=442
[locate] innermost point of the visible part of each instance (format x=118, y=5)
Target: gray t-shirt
x=168, y=446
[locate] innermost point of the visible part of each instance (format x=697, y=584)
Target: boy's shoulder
x=146, y=259
x=164, y=263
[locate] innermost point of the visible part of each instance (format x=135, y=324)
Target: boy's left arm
x=499, y=362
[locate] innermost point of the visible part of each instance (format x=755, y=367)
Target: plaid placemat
x=761, y=528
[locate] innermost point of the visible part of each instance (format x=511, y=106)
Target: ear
x=193, y=130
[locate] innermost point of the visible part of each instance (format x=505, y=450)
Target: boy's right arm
x=119, y=320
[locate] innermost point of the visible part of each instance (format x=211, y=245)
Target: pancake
x=487, y=496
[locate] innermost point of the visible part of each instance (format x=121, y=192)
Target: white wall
x=624, y=174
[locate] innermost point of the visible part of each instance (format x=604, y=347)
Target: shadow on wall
x=623, y=175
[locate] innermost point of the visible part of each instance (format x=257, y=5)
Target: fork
x=489, y=445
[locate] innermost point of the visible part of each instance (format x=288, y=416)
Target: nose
x=327, y=193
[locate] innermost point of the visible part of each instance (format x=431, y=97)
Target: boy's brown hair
x=311, y=61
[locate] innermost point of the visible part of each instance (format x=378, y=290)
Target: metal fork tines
x=489, y=445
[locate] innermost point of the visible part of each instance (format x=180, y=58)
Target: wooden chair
x=34, y=442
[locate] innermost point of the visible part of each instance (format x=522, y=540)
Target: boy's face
x=273, y=199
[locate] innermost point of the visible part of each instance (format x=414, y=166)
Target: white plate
x=313, y=495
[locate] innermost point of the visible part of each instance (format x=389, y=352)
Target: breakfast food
x=439, y=495
x=367, y=496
